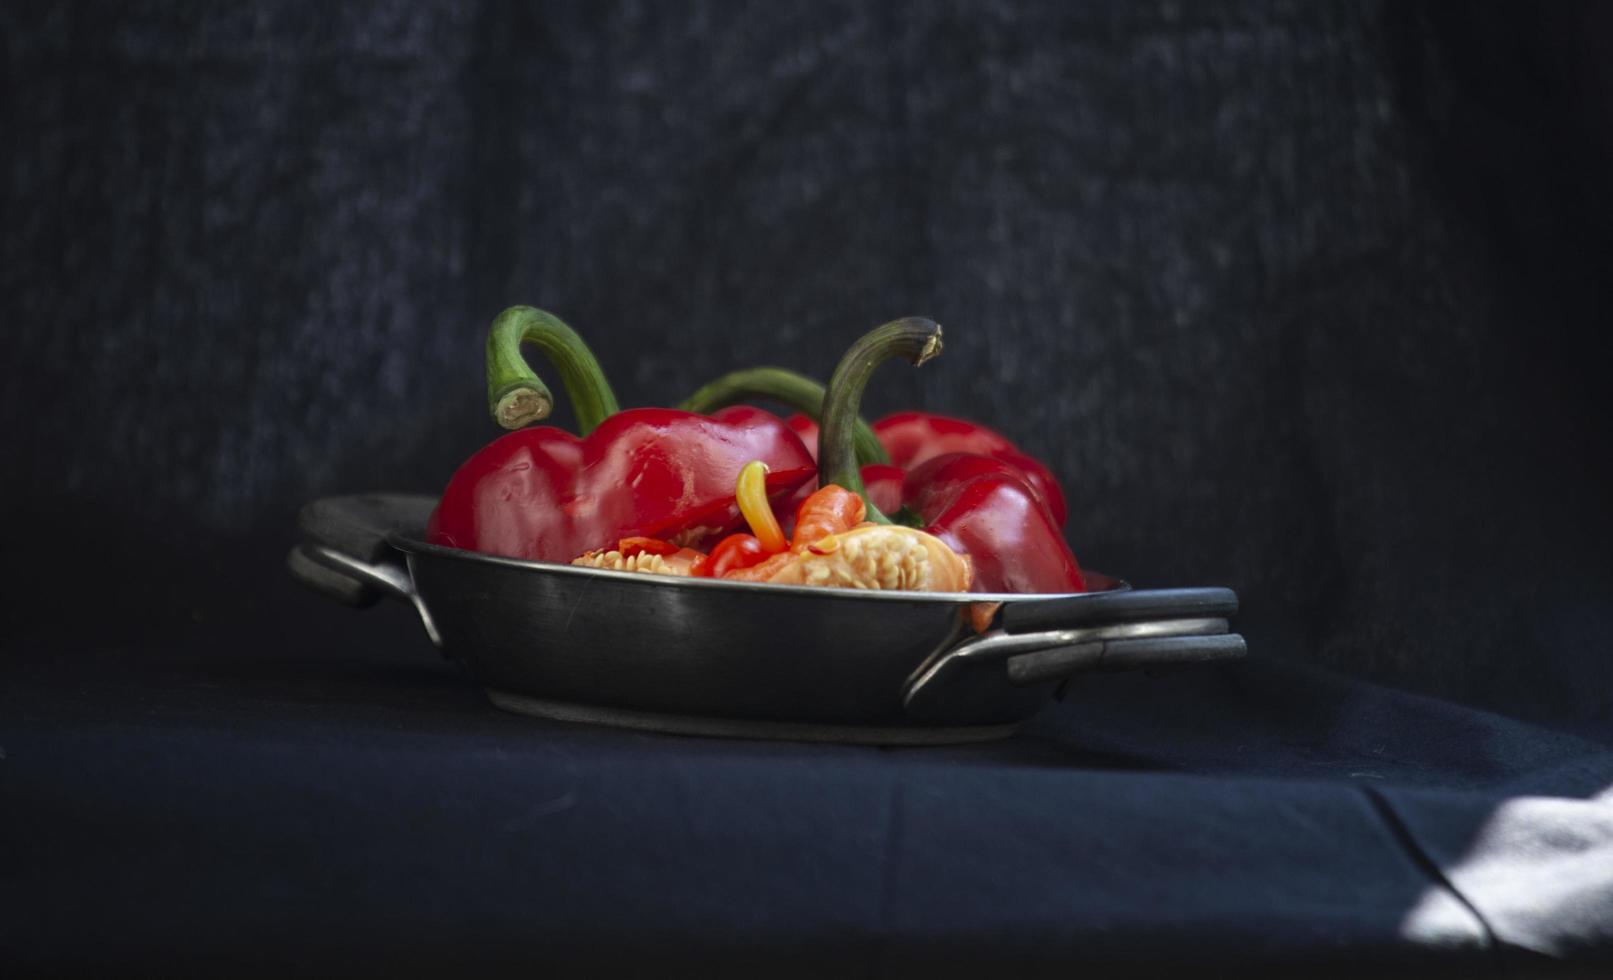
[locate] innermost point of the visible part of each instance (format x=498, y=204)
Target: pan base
x=788, y=731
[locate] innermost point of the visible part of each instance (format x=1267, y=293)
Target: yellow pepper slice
x=751, y=493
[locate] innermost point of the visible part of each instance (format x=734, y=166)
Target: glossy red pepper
x=911, y=438
x=902, y=439
x=542, y=493
x=984, y=508
x=979, y=505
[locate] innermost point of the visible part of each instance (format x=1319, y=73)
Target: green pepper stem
x=913, y=338
x=516, y=396
x=786, y=387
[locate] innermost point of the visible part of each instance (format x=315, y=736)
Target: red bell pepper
x=542, y=493
x=914, y=438
x=984, y=508
x=902, y=440
x=979, y=505
x=911, y=438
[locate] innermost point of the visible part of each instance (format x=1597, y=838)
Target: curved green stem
x=913, y=338
x=516, y=396
x=786, y=387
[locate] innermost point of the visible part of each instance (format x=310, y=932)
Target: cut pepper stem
x=913, y=338
x=787, y=388
x=751, y=493
x=516, y=396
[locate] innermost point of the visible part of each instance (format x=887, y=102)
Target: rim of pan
x=414, y=546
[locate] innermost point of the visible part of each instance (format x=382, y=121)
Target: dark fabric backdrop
x=1306, y=299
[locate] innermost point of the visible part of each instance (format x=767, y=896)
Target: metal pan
x=706, y=656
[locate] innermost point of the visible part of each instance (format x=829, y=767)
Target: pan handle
x=968, y=679
x=1112, y=655
x=1027, y=616
x=345, y=553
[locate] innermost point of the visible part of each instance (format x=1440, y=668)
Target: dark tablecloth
x=227, y=801
x=1305, y=299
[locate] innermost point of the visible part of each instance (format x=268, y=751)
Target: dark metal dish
x=704, y=656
